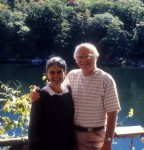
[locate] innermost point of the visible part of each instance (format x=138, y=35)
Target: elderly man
x=95, y=99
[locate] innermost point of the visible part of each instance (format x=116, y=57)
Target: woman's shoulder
x=43, y=94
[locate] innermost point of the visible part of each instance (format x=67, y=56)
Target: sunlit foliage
x=32, y=28
x=16, y=104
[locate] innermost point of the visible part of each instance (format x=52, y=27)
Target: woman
x=51, y=120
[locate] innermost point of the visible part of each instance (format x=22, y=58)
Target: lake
x=130, y=84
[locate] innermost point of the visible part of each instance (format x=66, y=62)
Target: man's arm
x=110, y=130
x=34, y=94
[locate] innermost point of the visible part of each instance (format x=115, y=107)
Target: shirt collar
x=51, y=92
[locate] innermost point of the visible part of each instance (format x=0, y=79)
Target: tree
x=104, y=32
x=45, y=22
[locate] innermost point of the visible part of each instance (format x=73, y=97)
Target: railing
x=14, y=141
x=121, y=132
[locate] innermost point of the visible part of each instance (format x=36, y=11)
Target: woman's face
x=55, y=75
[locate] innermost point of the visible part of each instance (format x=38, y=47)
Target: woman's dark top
x=51, y=122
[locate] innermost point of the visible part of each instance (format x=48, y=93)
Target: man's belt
x=84, y=129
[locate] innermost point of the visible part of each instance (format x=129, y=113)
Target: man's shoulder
x=104, y=73
x=74, y=72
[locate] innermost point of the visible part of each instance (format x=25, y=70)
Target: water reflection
x=130, y=84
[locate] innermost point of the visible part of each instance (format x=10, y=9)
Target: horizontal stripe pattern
x=93, y=96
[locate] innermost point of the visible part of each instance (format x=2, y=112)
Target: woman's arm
x=34, y=126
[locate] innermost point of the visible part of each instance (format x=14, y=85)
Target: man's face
x=85, y=60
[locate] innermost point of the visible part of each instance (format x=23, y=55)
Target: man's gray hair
x=88, y=46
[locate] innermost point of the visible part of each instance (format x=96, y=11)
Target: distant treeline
x=39, y=28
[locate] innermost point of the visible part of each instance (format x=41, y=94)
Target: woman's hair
x=58, y=61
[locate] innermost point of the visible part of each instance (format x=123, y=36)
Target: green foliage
x=101, y=6
x=105, y=26
x=129, y=115
x=105, y=31
x=46, y=24
x=79, y=21
x=3, y=6
x=17, y=105
x=138, y=39
x=14, y=31
x=130, y=12
x=37, y=28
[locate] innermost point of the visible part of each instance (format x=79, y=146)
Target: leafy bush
x=15, y=108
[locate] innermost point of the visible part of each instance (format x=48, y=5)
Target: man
x=95, y=100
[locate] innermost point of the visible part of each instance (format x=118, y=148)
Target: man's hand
x=34, y=94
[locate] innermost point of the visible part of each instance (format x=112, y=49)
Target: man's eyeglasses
x=89, y=56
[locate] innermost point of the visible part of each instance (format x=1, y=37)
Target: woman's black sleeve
x=34, y=126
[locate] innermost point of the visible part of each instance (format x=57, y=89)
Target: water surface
x=130, y=85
